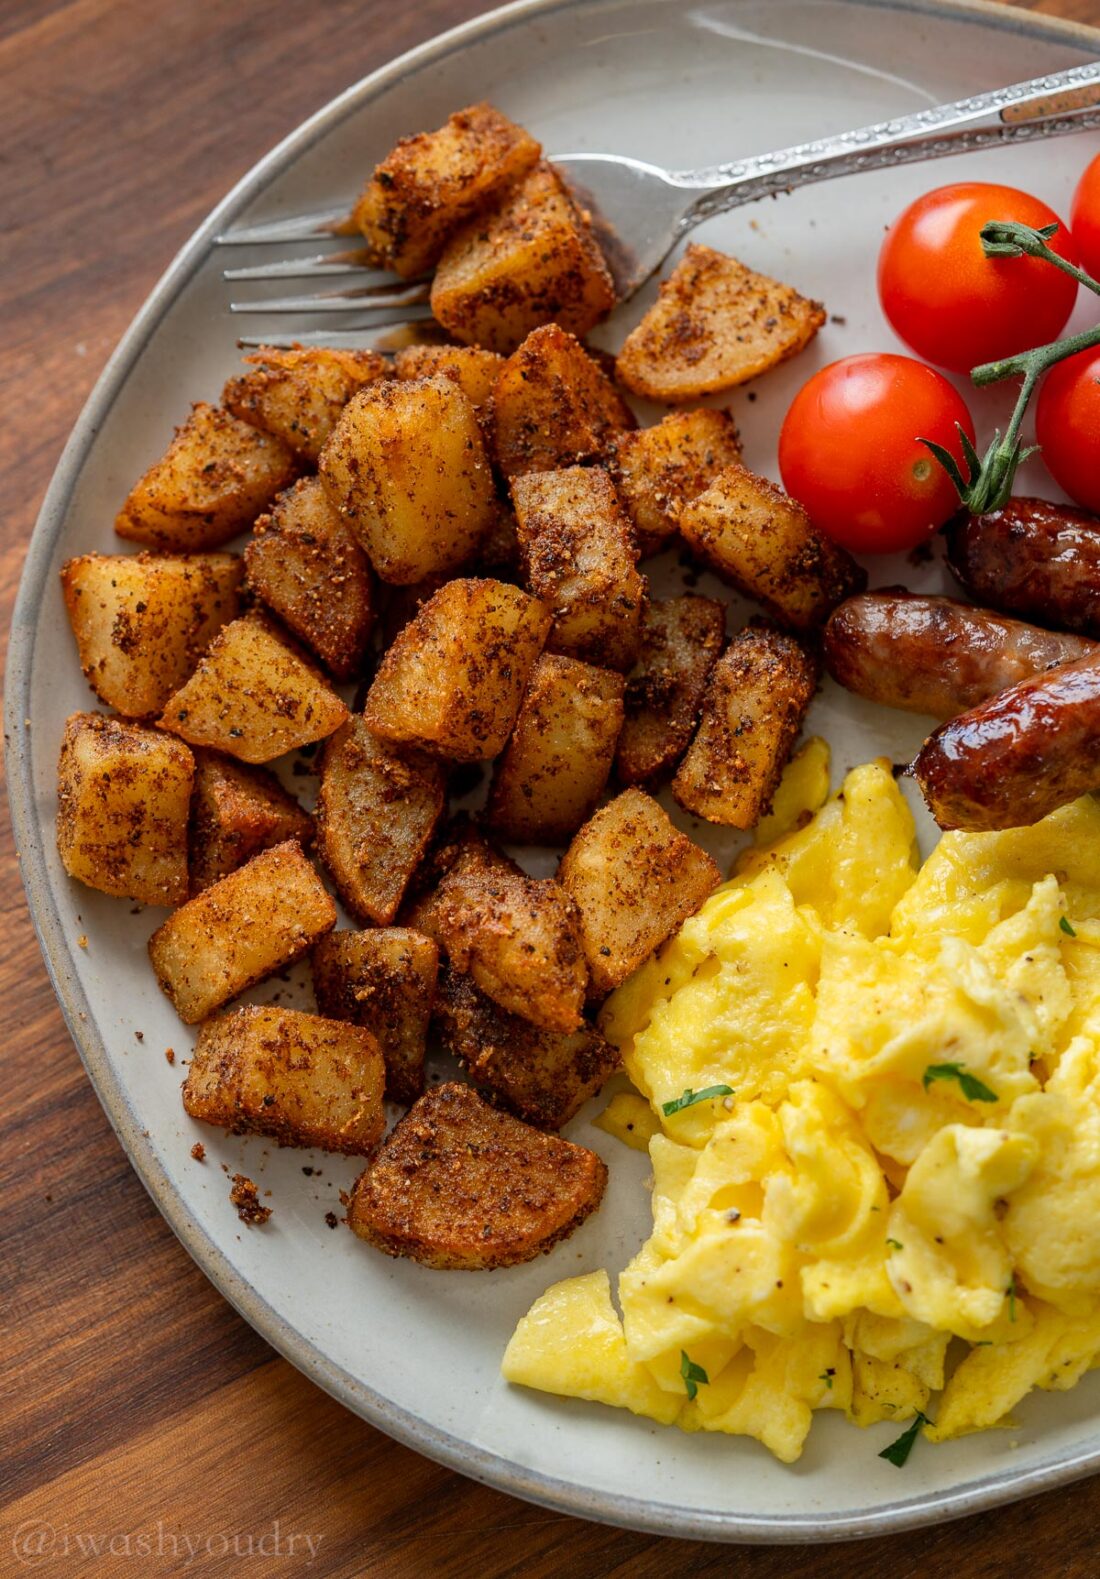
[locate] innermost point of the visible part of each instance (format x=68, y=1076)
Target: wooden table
x=138, y=1407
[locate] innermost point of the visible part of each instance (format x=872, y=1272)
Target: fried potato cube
x=213, y=480
x=472, y=369
x=756, y=698
x=579, y=558
x=377, y=809
x=634, y=878
x=253, y=696
x=431, y=183
x=544, y=1077
x=236, y=812
x=458, y=1184
x=407, y=468
x=557, y=762
x=660, y=469
x=253, y=922
x=715, y=324
x=298, y=394
x=123, y=797
x=762, y=542
x=681, y=639
x=383, y=979
x=530, y=260
x=302, y=1080
x=454, y=678
x=460, y=848
x=553, y=406
x=305, y=562
x=143, y=621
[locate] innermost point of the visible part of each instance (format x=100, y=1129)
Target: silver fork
x=642, y=211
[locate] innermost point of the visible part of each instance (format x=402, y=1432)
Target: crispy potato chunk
x=681, y=638
x=557, y=762
x=254, y=696
x=579, y=557
x=460, y=848
x=306, y=563
x=376, y=812
x=143, y=621
x=660, y=469
x=123, y=797
x=236, y=812
x=472, y=369
x=756, y=699
x=253, y=922
x=302, y=1080
x=544, y=1077
x=298, y=394
x=431, y=183
x=553, y=406
x=384, y=980
x=407, y=468
x=531, y=260
x=454, y=678
x=635, y=878
x=213, y=480
x=715, y=324
x=763, y=543
x=458, y=1184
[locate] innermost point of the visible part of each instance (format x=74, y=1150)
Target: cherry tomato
x=849, y=451
x=1067, y=425
x=952, y=304
x=1084, y=219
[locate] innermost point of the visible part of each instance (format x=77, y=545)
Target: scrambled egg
x=871, y=1096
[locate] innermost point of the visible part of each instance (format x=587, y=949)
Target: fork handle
x=1066, y=101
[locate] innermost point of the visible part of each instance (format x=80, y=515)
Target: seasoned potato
x=634, y=878
x=431, y=183
x=236, y=812
x=763, y=543
x=384, y=980
x=407, y=469
x=460, y=849
x=143, y=621
x=579, y=557
x=541, y=1076
x=715, y=324
x=298, y=394
x=472, y=369
x=659, y=469
x=459, y=1184
x=376, y=812
x=553, y=406
x=530, y=260
x=213, y=480
x=755, y=701
x=251, y=923
x=558, y=760
x=306, y=564
x=454, y=678
x=123, y=797
x=254, y=696
x=681, y=638
x=302, y=1080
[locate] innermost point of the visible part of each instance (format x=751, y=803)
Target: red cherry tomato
x=1067, y=425
x=952, y=304
x=1084, y=219
x=850, y=453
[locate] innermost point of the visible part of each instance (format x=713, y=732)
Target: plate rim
x=404, y=1425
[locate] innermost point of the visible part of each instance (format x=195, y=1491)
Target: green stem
x=1039, y=359
x=1006, y=238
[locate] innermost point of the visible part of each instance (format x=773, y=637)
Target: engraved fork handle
x=1050, y=106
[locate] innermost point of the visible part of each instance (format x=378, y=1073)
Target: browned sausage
x=1018, y=756
x=936, y=655
x=1033, y=558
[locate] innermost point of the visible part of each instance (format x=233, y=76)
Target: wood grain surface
x=141, y=1418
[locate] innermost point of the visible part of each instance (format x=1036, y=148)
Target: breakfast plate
x=416, y=1352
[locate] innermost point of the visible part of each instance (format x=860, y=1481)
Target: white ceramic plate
x=414, y=1351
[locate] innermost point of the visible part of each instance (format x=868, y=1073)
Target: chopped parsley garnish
x=693, y=1374
x=1066, y=928
x=690, y=1097
x=973, y=1089
x=895, y=1244
x=1011, y=1292
x=827, y=1377
x=898, y=1452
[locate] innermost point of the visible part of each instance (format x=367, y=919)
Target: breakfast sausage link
x=1018, y=756
x=1033, y=558
x=936, y=655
